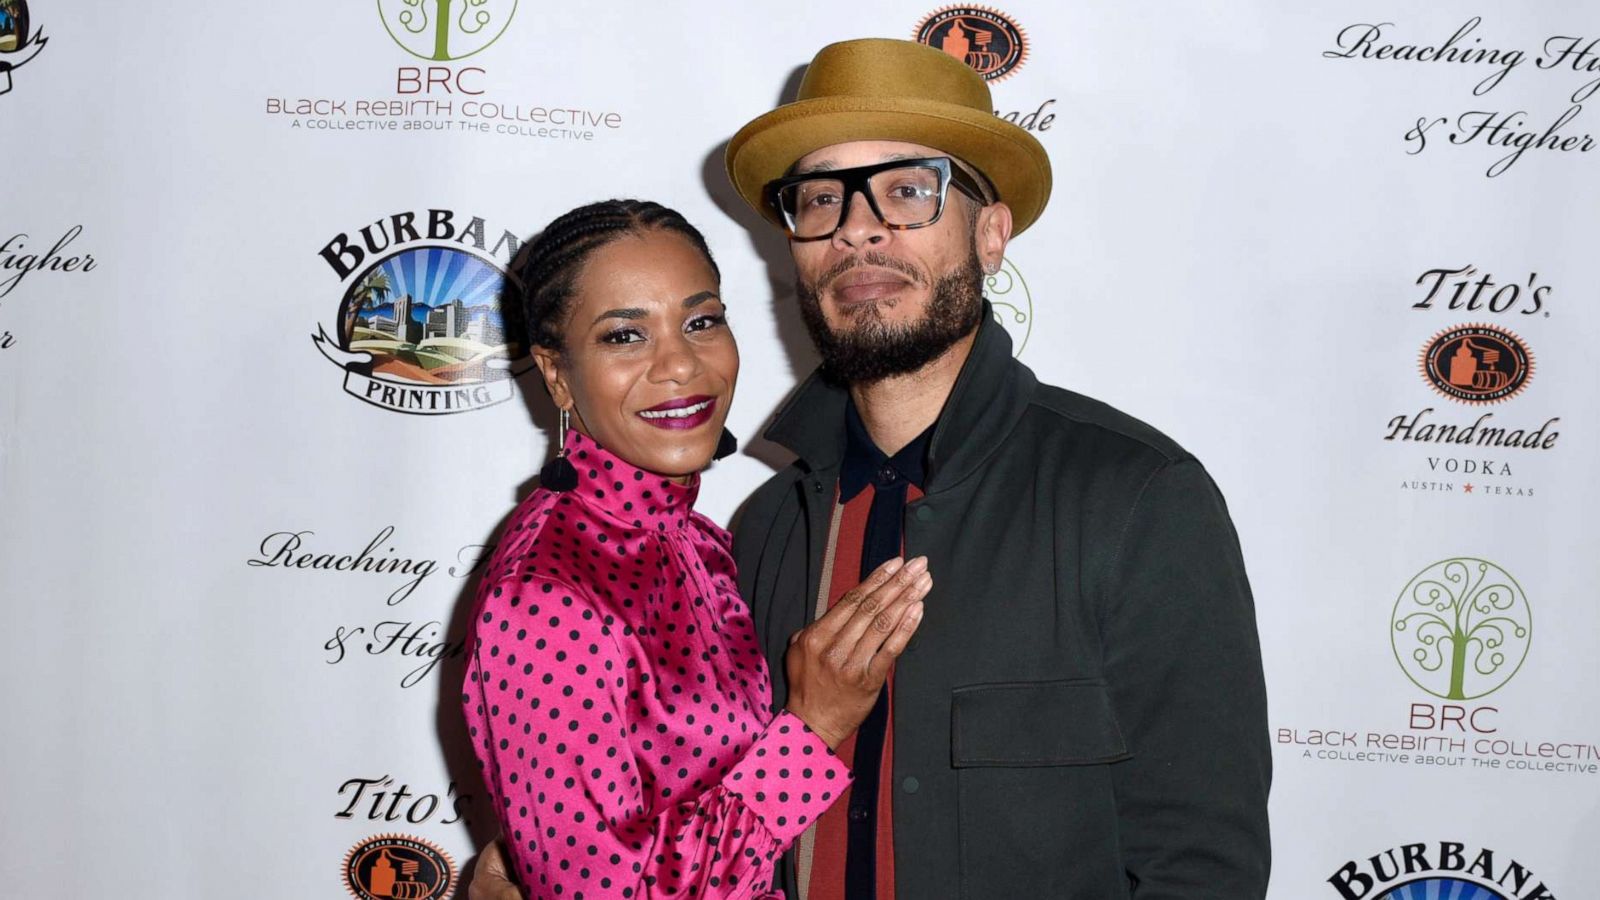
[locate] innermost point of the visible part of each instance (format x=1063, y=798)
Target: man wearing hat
x=1082, y=712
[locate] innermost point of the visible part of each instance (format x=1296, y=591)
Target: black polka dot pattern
x=619, y=702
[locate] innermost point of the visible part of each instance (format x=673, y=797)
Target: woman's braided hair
x=556, y=256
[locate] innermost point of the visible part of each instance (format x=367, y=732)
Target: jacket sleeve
x=546, y=705
x=1183, y=663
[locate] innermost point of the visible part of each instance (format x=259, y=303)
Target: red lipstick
x=682, y=413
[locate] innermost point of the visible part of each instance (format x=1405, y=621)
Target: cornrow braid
x=555, y=257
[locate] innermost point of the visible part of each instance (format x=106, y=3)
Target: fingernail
x=916, y=612
x=919, y=564
x=894, y=565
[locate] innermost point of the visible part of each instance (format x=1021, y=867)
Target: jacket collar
x=989, y=396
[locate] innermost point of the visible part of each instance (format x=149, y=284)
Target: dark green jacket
x=1082, y=713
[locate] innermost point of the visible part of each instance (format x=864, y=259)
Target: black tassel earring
x=558, y=474
x=727, y=445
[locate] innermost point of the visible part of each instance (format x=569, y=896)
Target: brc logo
x=444, y=30
x=1461, y=628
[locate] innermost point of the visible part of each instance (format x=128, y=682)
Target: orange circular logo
x=988, y=40
x=398, y=867
x=1477, y=363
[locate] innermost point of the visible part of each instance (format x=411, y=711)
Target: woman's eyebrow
x=634, y=312
x=629, y=312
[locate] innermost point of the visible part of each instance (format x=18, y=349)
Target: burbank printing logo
x=446, y=30
x=1461, y=628
x=17, y=45
x=419, y=327
x=1012, y=303
x=1446, y=870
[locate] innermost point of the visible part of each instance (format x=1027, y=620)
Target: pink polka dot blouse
x=619, y=703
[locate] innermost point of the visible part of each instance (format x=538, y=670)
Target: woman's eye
x=622, y=336
x=706, y=322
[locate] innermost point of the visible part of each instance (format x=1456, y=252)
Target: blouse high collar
x=626, y=493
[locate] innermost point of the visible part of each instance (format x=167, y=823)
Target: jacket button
x=910, y=785
x=923, y=514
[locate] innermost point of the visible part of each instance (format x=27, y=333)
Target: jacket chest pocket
x=1036, y=809
x=1034, y=723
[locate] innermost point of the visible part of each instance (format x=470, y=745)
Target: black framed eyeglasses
x=903, y=194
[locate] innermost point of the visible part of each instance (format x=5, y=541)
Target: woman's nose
x=675, y=361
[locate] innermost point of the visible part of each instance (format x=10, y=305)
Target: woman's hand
x=838, y=663
x=490, y=881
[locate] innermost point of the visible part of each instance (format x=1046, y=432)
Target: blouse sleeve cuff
x=788, y=778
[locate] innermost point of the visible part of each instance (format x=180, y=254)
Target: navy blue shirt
x=865, y=464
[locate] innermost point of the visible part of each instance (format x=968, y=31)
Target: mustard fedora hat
x=878, y=89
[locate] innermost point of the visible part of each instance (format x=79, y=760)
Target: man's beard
x=868, y=349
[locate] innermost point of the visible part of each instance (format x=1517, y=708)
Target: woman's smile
x=682, y=413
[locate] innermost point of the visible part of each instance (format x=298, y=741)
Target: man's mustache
x=869, y=258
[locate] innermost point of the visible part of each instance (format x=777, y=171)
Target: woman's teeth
x=680, y=413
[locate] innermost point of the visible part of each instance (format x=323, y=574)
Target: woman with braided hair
x=619, y=702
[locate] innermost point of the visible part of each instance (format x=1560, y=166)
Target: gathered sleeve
x=593, y=793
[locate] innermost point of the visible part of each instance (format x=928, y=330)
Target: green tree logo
x=1461, y=628
x=444, y=30
x=1013, y=304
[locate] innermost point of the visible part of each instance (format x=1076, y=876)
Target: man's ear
x=555, y=376
x=992, y=232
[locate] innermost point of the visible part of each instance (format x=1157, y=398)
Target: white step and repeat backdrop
x=257, y=425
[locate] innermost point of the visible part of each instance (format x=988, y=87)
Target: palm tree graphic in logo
x=367, y=295
x=16, y=45
x=1461, y=628
x=444, y=30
